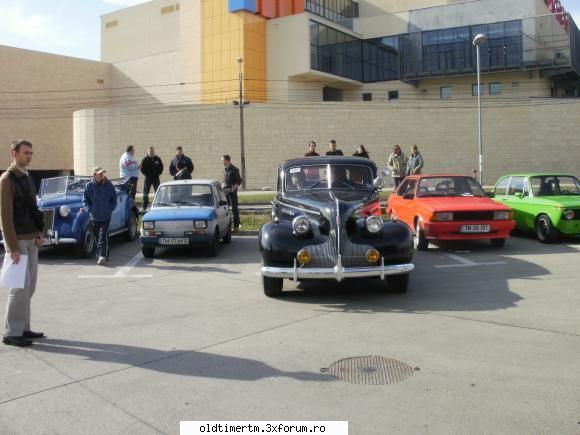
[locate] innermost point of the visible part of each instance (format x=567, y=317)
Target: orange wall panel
x=269, y=8
x=285, y=8
x=298, y=6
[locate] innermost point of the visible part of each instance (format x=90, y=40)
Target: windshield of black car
x=63, y=185
x=331, y=176
x=184, y=195
x=552, y=185
x=449, y=186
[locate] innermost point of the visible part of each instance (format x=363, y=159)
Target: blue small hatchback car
x=187, y=213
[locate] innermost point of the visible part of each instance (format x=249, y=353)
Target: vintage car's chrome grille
x=48, y=219
x=325, y=255
x=473, y=215
x=173, y=228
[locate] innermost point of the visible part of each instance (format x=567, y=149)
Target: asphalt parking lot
x=492, y=337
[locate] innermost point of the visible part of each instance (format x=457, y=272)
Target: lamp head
x=479, y=40
x=240, y=60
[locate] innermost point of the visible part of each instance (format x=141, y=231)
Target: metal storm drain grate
x=370, y=370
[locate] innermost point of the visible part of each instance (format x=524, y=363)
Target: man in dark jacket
x=100, y=200
x=333, y=151
x=232, y=181
x=151, y=168
x=22, y=231
x=179, y=156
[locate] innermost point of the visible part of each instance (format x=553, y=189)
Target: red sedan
x=449, y=207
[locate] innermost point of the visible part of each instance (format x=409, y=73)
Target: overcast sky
x=72, y=27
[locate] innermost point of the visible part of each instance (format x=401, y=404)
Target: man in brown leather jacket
x=22, y=227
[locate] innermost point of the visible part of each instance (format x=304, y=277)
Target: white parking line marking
x=464, y=262
x=123, y=272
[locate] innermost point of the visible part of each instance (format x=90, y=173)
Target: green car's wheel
x=545, y=231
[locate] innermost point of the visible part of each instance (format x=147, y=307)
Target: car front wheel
x=215, y=244
x=228, y=237
x=421, y=243
x=88, y=244
x=148, y=252
x=398, y=283
x=497, y=243
x=272, y=286
x=545, y=231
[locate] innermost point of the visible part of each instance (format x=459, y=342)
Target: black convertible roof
x=324, y=160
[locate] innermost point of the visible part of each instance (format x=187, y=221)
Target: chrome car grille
x=325, y=255
x=173, y=228
x=48, y=219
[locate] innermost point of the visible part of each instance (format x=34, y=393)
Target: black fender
x=279, y=245
x=394, y=241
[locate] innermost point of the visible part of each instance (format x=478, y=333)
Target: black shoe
x=31, y=334
x=17, y=341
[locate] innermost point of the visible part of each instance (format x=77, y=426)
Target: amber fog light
x=304, y=256
x=373, y=256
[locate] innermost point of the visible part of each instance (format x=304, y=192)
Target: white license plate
x=474, y=229
x=174, y=241
x=46, y=241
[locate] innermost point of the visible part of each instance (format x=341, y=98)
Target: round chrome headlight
x=569, y=214
x=301, y=225
x=374, y=224
x=64, y=210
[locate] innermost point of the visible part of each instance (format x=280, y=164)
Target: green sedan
x=547, y=203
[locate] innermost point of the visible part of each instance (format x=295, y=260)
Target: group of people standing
x=333, y=151
x=401, y=166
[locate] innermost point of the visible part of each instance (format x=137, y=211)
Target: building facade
x=307, y=69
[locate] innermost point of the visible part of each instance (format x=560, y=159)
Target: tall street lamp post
x=478, y=41
x=241, y=106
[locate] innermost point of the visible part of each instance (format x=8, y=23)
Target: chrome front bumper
x=338, y=272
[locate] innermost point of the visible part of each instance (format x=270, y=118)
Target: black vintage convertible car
x=327, y=224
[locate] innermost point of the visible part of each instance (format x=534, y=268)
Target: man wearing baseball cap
x=99, y=200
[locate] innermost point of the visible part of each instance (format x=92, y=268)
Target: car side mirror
x=408, y=196
x=378, y=183
x=222, y=203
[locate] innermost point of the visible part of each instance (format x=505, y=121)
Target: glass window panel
x=474, y=89
x=495, y=88
x=446, y=92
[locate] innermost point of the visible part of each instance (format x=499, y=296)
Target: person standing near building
x=100, y=200
x=397, y=163
x=311, y=150
x=180, y=157
x=152, y=168
x=22, y=226
x=129, y=168
x=333, y=151
x=415, y=162
x=361, y=152
x=232, y=181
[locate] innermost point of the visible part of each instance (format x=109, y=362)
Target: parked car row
x=326, y=218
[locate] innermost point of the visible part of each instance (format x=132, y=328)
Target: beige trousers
x=18, y=306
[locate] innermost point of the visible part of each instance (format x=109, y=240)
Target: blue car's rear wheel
x=132, y=227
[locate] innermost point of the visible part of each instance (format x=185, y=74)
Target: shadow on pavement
x=177, y=362
x=477, y=288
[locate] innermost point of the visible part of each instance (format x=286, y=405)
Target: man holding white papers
x=22, y=226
